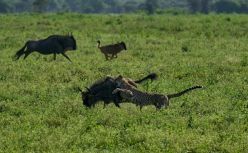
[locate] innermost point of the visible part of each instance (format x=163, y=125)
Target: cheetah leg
x=106, y=56
x=158, y=107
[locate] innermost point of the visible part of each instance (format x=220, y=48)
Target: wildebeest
x=102, y=90
x=54, y=44
x=112, y=49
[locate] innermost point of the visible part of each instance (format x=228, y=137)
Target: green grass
x=41, y=110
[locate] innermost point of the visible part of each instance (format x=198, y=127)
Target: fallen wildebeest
x=54, y=44
x=102, y=90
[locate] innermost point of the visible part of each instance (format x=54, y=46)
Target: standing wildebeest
x=54, y=44
x=102, y=90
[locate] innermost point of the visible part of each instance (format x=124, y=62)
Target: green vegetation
x=41, y=110
x=125, y=6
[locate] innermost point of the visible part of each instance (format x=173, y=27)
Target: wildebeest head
x=74, y=43
x=101, y=90
x=87, y=97
x=69, y=43
x=123, y=45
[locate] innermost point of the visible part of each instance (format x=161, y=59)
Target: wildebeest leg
x=116, y=102
x=140, y=106
x=104, y=105
x=28, y=52
x=54, y=56
x=20, y=52
x=18, y=56
x=117, y=105
x=66, y=56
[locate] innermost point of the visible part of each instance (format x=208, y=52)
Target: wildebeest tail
x=152, y=76
x=182, y=92
x=20, y=52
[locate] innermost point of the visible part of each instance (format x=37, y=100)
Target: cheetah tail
x=152, y=76
x=182, y=92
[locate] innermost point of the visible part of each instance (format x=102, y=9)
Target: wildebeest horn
x=79, y=89
x=87, y=89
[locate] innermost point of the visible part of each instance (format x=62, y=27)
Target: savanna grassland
x=41, y=109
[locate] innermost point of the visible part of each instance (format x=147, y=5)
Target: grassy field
x=41, y=110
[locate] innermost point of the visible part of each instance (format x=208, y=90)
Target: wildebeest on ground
x=102, y=90
x=54, y=44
